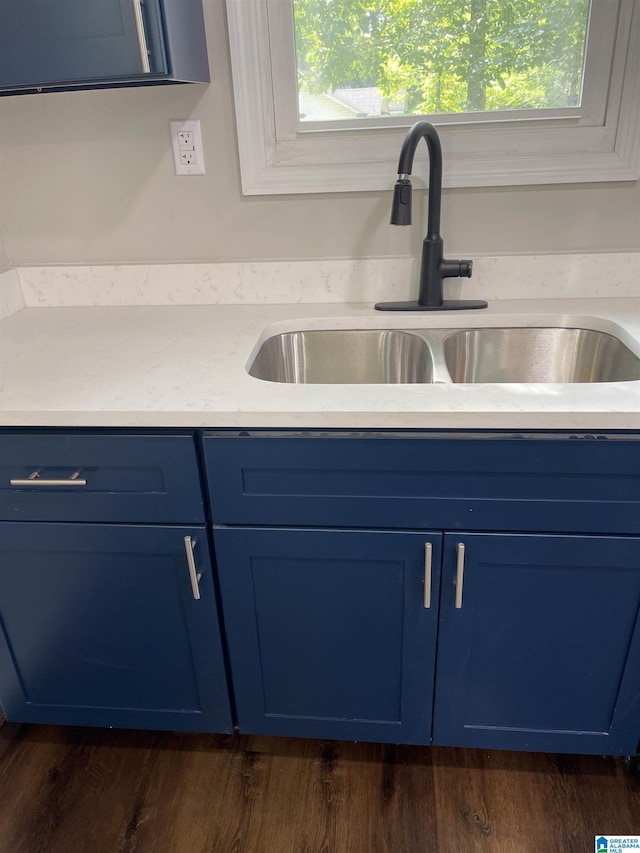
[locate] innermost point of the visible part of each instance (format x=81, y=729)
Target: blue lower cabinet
x=329, y=632
x=101, y=625
x=543, y=651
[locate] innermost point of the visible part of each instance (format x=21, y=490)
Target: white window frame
x=600, y=142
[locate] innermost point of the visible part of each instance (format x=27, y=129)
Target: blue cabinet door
x=49, y=42
x=544, y=651
x=329, y=632
x=99, y=626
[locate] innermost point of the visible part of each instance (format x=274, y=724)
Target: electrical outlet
x=186, y=140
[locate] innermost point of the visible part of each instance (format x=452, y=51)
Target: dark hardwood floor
x=72, y=790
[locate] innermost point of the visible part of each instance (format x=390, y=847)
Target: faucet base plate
x=447, y=305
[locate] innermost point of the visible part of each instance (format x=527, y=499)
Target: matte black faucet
x=435, y=267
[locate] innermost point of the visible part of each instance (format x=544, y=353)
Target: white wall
x=87, y=177
x=4, y=259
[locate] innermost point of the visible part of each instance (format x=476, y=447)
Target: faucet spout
x=426, y=131
x=435, y=268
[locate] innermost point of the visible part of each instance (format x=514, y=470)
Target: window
x=584, y=127
x=360, y=59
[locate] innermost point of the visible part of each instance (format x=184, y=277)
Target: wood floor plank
x=66, y=790
x=499, y=801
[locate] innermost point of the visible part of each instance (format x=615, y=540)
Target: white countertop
x=185, y=366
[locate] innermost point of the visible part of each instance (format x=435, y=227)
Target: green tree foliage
x=445, y=56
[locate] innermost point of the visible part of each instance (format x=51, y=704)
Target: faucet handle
x=456, y=269
x=466, y=269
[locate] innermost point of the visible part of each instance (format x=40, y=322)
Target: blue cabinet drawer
x=54, y=476
x=539, y=482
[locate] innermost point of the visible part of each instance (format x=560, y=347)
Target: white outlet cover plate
x=197, y=167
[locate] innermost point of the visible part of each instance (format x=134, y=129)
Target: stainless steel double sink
x=528, y=354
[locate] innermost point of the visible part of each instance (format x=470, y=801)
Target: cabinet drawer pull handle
x=142, y=37
x=459, y=575
x=194, y=576
x=428, y=554
x=34, y=479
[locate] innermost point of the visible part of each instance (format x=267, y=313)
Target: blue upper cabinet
x=543, y=651
x=62, y=44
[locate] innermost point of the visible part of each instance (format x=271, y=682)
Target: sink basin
x=336, y=356
x=538, y=355
x=517, y=354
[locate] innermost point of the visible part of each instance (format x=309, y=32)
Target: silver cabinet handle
x=459, y=575
x=428, y=555
x=189, y=545
x=34, y=479
x=142, y=36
